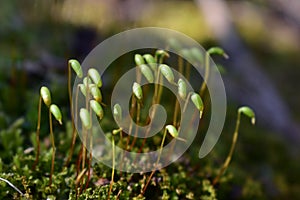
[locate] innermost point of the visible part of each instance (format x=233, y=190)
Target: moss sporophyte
x=88, y=177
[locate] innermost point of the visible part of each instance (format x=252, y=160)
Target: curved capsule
x=97, y=108
x=218, y=51
x=139, y=60
x=248, y=112
x=167, y=72
x=117, y=112
x=95, y=76
x=96, y=93
x=46, y=95
x=147, y=73
x=85, y=118
x=76, y=67
x=161, y=54
x=137, y=91
x=55, y=111
x=196, y=99
x=181, y=88
x=150, y=61
x=172, y=130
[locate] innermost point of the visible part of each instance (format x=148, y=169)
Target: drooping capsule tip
x=253, y=120
x=201, y=113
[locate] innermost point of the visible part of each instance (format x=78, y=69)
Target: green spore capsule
x=96, y=93
x=95, y=76
x=196, y=99
x=218, y=51
x=46, y=96
x=82, y=89
x=76, y=67
x=97, y=108
x=181, y=88
x=117, y=112
x=150, y=60
x=147, y=73
x=172, y=130
x=161, y=54
x=55, y=111
x=139, y=60
x=85, y=118
x=137, y=91
x=248, y=112
x=167, y=72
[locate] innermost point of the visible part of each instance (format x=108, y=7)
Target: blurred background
x=261, y=37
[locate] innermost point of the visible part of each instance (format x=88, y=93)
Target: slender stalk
x=228, y=159
x=78, y=180
x=74, y=133
x=38, y=134
x=160, y=89
x=154, y=101
x=206, y=76
x=72, y=117
x=137, y=122
x=53, y=147
x=84, y=131
x=133, y=102
x=180, y=64
x=156, y=164
x=83, y=147
x=188, y=70
x=90, y=153
x=113, y=167
x=180, y=69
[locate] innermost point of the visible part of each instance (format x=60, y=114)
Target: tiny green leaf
x=172, y=130
x=150, y=61
x=196, y=99
x=181, y=88
x=96, y=93
x=248, y=112
x=97, y=108
x=76, y=67
x=85, y=118
x=95, y=76
x=139, y=60
x=46, y=96
x=167, y=72
x=218, y=51
x=56, y=113
x=117, y=112
x=147, y=73
x=137, y=91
